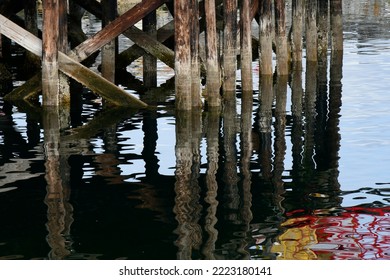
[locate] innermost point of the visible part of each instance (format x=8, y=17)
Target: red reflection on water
x=357, y=233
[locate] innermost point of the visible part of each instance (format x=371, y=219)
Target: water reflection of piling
x=187, y=207
x=59, y=212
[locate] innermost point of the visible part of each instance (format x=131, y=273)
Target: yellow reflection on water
x=295, y=242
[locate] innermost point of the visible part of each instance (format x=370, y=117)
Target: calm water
x=303, y=175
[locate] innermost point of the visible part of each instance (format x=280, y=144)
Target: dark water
x=298, y=172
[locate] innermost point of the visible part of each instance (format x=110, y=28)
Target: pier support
x=182, y=55
x=213, y=82
x=229, y=61
x=246, y=48
x=50, y=69
x=265, y=35
x=280, y=37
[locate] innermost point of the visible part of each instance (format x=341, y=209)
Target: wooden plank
x=71, y=67
x=114, y=29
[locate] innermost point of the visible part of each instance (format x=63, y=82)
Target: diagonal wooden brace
x=70, y=67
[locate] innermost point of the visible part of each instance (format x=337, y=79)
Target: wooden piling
x=109, y=12
x=246, y=47
x=182, y=55
x=297, y=31
x=213, y=79
x=323, y=29
x=280, y=38
x=265, y=35
x=50, y=36
x=31, y=24
x=63, y=82
x=195, y=59
x=311, y=30
x=229, y=60
x=336, y=23
x=149, y=26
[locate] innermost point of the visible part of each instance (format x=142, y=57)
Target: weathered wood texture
x=149, y=26
x=71, y=67
x=182, y=55
x=109, y=9
x=336, y=22
x=114, y=29
x=213, y=79
x=195, y=58
x=323, y=28
x=280, y=37
x=265, y=35
x=50, y=37
x=229, y=60
x=246, y=48
x=311, y=30
x=297, y=31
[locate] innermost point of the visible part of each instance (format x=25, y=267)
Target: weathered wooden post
x=336, y=22
x=297, y=32
x=280, y=37
x=311, y=30
x=63, y=80
x=109, y=13
x=323, y=29
x=50, y=37
x=33, y=62
x=246, y=47
x=229, y=61
x=265, y=35
x=213, y=79
x=195, y=59
x=149, y=25
x=182, y=55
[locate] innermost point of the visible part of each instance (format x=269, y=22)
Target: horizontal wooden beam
x=71, y=67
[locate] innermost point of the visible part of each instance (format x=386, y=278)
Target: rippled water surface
x=303, y=175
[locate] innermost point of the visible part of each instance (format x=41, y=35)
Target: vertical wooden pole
x=336, y=22
x=50, y=73
x=265, y=35
x=149, y=25
x=311, y=30
x=64, y=88
x=213, y=79
x=109, y=12
x=33, y=62
x=229, y=49
x=297, y=31
x=323, y=29
x=246, y=47
x=195, y=63
x=182, y=55
x=280, y=36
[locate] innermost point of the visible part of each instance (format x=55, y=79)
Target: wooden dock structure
x=223, y=27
